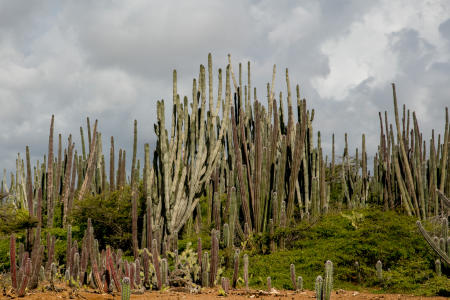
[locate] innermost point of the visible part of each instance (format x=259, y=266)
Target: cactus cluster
x=258, y=167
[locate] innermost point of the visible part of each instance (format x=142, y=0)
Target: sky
x=112, y=60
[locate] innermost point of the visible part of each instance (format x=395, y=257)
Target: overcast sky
x=113, y=60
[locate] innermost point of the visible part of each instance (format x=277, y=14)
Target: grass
x=365, y=236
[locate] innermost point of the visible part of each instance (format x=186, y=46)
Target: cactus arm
x=430, y=242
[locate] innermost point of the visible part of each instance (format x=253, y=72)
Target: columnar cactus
x=164, y=272
x=225, y=285
x=112, y=269
x=246, y=271
x=53, y=272
x=379, y=267
x=358, y=272
x=12, y=259
x=214, y=257
x=155, y=259
x=226, y=236
x=236, y=268
x=145, y=262
x=126, y=289
x=299, y=283
x=138, y=271
x=437, y=264
x=319, y=288
x=205, y=272
x=25, y=278
x=132, y=275
x=328, y=284
x=292, y=271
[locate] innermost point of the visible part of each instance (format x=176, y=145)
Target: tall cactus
x=12, y=260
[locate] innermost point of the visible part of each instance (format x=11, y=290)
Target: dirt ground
x=210, y=294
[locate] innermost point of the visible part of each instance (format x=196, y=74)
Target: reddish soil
x=211, y=294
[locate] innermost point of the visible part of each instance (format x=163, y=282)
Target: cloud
x=113, y=60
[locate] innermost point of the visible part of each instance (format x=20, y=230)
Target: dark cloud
x=113, y=60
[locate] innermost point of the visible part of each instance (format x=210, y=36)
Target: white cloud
x=365, y=51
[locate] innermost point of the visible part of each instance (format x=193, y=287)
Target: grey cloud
x=113, y=60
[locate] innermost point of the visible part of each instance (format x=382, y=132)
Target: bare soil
x=208, y=294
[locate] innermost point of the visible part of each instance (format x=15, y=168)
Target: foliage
x=110, y=215
x=387, y=236
x=14, y=220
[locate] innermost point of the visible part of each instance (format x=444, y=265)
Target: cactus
x=164, y=272
x=292, y=271
x=299, y=283
x=225, y=285
x=42, y=274
x=235, y=269
x=246, y=271
x=379, y=268
x=138, y=272
x=199, y=252
x=435, y=246
x=126, y=290
x=214, y=264
x=12, y=258
x=205, y=273
x=53, y=272
x=132, y=267
x=146, y=261
x=67, y=275
x=358, y=272
x=226, y=235
x=112, y=269
x=25, y=278
x=319, y=288
x=155, y=258
x=328, y=284
x=437, y=264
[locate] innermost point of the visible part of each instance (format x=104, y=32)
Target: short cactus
x=205, y=272
x=236, y=268
x=358, y=272
x=25, y=278
x=294, y=283
x=299, y=283
x=437, y=264
x=164, y=272
x=246, y=271
x=319, y=288
x=379, y=267
x=12, y=257
x=126, y=290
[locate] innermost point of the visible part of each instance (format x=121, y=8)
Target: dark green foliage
x=110, y=215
